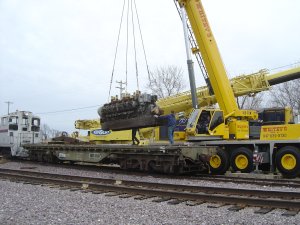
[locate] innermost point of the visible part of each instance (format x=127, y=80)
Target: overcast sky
x=58, y=54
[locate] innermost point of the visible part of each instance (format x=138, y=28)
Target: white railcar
x=16, y=129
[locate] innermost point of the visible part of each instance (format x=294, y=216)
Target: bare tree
x=48, y=132
x=287, y=94
x=166, y=81
x=45, y=131
x=56, y=133
x=250, y=102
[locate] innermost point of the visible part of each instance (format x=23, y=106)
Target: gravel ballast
x=33, y=204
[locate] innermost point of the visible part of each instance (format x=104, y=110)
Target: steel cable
x=112, y=74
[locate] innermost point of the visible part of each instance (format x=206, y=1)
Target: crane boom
x=284, y=76
x=211, y=55
x=241, y=85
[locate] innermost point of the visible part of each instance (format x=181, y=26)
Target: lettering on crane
x=275, y=129
x=242, y=126
x=275, y=132
x=203, y=18
x=100, y=132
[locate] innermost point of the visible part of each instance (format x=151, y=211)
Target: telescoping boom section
x=212, y=60
x=229, y=121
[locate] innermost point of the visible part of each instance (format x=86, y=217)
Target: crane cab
x=206, y=124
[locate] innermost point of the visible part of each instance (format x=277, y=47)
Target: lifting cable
x=134, y=46
x=289, y=65
x=138, y=20
x=127, y=49
x=130, y=5
x=113, y=70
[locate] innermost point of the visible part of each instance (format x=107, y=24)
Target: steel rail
x=250, y=180
x=261, y=198
x=218, y=190
x=276, y=182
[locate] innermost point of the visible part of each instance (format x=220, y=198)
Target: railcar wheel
x=151, y=166
x=130, y=164
x=242, y=160
x=288, y=161
x=219, y=163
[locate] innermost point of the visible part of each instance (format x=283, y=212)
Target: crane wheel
x=242, y=160
x=219, y=163
x=288, y=161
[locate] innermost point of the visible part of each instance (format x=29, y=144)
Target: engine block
x=132, y=111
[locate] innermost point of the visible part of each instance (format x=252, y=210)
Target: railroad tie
x=263, y=210
x=236, y=208
x=289, y=213
x=195, y=203
x=161, y=200
x=176, y=201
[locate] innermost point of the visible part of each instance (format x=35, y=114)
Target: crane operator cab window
x=209, y=120
x=216, y=120
x=203, y=122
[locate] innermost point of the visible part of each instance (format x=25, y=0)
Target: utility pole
x=8, y=104
x=121, y=87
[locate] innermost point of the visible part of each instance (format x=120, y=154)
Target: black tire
x=219, y=163
x=287, y=161
x=242, y=160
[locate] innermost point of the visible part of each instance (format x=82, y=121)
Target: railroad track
x=174, y=194
x=253, y=180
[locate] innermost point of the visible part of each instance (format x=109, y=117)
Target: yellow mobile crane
x=277, y=144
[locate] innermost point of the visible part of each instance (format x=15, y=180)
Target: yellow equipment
x=87, y=124
x=229, y=127
x=97, y=136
